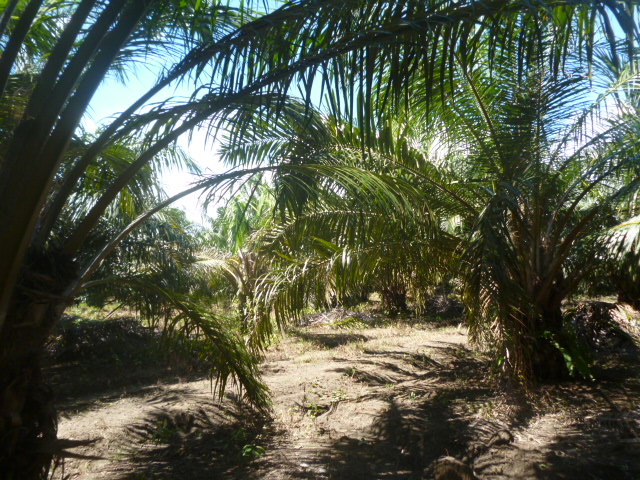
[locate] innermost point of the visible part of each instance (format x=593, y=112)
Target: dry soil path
x=369, y=403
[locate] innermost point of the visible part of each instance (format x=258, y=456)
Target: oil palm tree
x=542, y=200
x=621, y=265
x=156, y=272
x=351, y=218
x=510, y=158
x=231, y=254
x=53, y=68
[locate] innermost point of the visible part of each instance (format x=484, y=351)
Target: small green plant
x=164, y=431
x=339, y=395
x=315, y=409
x=251, y=452
x=349, y=322
x=239, y=435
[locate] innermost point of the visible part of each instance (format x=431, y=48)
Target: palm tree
x=351, y=219
x=538, y=207
x=231, y=255
x=50, y=224
x=517, y=169
x=246, y=211
x=621, y=266
x=156, y=272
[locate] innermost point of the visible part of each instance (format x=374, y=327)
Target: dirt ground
x=363, y=402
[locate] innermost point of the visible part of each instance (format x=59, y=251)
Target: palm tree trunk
x=394, y=299
x=28, y=438
x=35, y=168
x=547, y=361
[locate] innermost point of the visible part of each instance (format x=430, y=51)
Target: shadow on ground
x=435, y=400
x=210, y=442
x=328, y=340
x=93, y=362
x=422, y=420
x=419, y=423
x=600, y=442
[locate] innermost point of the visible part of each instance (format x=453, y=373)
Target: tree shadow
x=212, y=441
x=403, y=440
x=606, y=442
x=420, y=415
x=154, y=386
x=328, y=340
x=363, y=376
x=601, y=443
x=97, y=361
x=422, y=420
x=601, y=446
x=607, y=446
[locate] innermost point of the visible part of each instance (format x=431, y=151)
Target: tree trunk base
x=548, y=363
x=394, y=301
x=28, y=425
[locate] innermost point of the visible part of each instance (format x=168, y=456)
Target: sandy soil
x=363, y=403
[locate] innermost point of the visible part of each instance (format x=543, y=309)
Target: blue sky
x=114, y=96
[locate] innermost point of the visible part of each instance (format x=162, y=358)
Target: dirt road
x=362, y=403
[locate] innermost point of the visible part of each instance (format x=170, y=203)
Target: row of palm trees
x=443, y=150
x=512, y=190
